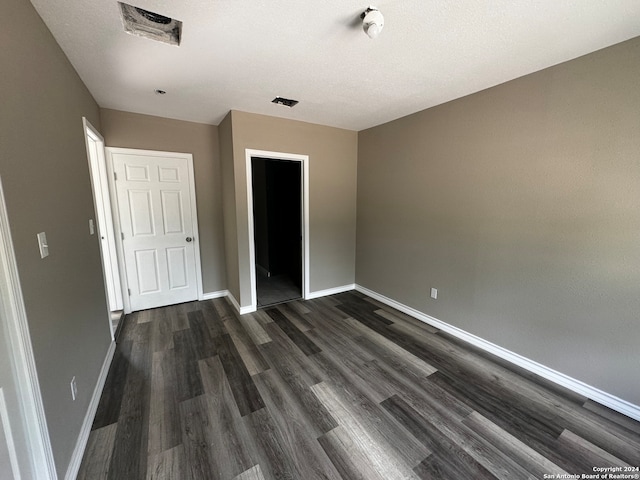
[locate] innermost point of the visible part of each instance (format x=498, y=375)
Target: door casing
x=104, y=219
x=304, y=159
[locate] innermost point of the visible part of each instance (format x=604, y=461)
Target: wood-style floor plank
x=197, y=432
x=189, y=382
x=254, y=473
x=98, y=452
x=336, y=388
x=108, y=410
x=295, y=317
x=251, y=356
x=133, y=423
x=348, y=456
x=254, y=329
x=590, y=453
x=297, y=429
x=231, y=447
x=274, y=460
x=201, y=335
x=164, y=420
x=387, y=458
x=299, y=382
x=303, y=342
x=451, y=444
x=246, y=394
x=167, y=465
x=532, y=461
x=161, y=332
x=606, y=413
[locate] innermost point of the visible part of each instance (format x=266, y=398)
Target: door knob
x=189, y=239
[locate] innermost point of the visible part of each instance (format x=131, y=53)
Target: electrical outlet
x=434, y=293
x=74, y=389
x=92, y=228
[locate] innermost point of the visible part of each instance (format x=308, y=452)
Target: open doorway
x=279, y=251
x=104, y=224
x=277, y=222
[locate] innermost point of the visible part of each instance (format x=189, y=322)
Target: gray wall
x=132, y=130
x=521, y=204
x=332, y=193
x=44, y=169
x=229, y=206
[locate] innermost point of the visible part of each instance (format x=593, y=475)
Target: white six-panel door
x=158, y=224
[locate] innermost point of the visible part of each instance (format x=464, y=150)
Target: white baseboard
x=245, y=310
x=236, y=305
x=81, y=443
x=330, y=291
x=233, y=301
x=212, y=295
x=593, y=393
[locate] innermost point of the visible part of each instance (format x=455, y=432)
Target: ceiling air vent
x=284, y=101
x=144, y=23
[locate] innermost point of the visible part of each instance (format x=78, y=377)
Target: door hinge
x=129, y=291
x=122, y=235
x=115, y=176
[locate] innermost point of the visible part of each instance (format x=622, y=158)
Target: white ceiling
x=239, y=54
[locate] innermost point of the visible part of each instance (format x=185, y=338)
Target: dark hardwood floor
x=339, y=387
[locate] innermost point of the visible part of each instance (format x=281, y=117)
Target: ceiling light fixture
x=372, y=22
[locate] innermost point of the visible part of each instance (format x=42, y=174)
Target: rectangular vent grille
x=284, y=101
x=143, y=23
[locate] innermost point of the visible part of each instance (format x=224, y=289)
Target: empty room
x=268, y=240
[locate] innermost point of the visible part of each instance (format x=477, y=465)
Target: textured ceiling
x=241, y=54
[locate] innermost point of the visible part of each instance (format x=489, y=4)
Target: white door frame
x=304, y=159
x=12, y=310
x=104, y=220
x=116, y=214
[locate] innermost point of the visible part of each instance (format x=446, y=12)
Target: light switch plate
x=44, y=246
x=434, y=293
x=92, y=229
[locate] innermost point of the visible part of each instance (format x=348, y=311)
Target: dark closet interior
x=277, y=217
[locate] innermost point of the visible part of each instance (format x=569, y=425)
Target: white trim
x=8, y=436
x=236, y=305
x=248, y=309
x=105, y=232
x=116, y=215
x=249, y=153
x=593, y=393
x=26, y=374
x=83, y=437
x=330, y=291
x=212, y=295
x=233, y=301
